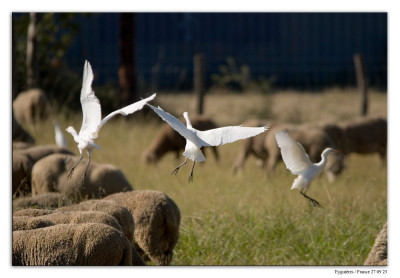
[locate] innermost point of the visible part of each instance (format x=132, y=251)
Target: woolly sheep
x=168, y=140
x=21, y=174
x=122, y=214
x=365, y=135
x=50, y=175
x=93, y=244
x=313, y=139
x=31, y=106
x=378, y=253
x=253, y=145
x=45, y=201
x=19, y=134
x=31, y=212
x=157, y=220
x=35, y=153
x=63, y=217
x=19, y=145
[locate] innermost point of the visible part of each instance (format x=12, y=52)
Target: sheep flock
x=103, y=220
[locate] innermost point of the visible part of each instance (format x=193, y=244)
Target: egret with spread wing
x=298, y=162
x=92, y=122
x=196, y=139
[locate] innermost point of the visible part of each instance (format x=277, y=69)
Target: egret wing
x=293, y=153
x=132, y=108
x=228, y=134
x=91, y=109
x=175, y=123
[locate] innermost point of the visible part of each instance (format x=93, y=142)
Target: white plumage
x=61, y=141
x=91, y=112
x=196, y=139
x=297, y=161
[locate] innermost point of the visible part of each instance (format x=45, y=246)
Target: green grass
x=250, y=219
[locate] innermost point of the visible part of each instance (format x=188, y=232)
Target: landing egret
x=195, y=139
x=61, y=141
x=91, y=122
x=298, y=162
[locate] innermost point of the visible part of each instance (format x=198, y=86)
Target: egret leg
x=191, y=173
x=87, y=166
x=312, y=201
x=176, y=170
x=73, y=168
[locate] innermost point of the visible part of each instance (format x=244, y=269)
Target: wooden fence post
x=361, y=82
x=199, y=80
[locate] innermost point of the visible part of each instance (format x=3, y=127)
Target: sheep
x=157, y=220
x=31, y=212
x=168, y=140
x=122, y=214
x=378, y=253
x=35, y=153
x=253, y=145
x=63, y=217
x=21, y=174
x=47, y=200
x=31, y=106
x=365, y=135
x=50, y=175
x=19, y=134
x=19, y=145
x=92, y=244
x=313, y=139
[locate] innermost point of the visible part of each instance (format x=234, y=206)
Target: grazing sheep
x=32, y=212
x=31, y=106
x=378, y=253
x=157, y=219
x=91, y=244
x=35, y=153
x=365, y=135
x=168, y=140
x=63, y=217
x=313, y=139
x=50, y=175
x=19, y=134
x=21, y=174
x=253, y=145
x=50, y=200
x=122, y=214
x=19, y=145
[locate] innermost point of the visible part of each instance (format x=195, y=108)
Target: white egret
x=61, y=141
x=92, y=122
x=298, y=162
x=196, y=139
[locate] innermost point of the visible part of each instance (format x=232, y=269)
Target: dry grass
x=252, y=219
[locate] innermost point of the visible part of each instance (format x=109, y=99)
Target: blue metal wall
x=303, y=50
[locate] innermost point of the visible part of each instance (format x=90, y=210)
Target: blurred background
x=134, y=54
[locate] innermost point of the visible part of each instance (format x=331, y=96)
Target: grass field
x=251, y=219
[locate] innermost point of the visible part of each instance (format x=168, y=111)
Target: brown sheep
x=19, y=134
x=313, y=139
x=50, y=200
x=63, y=217
x=253, y=145
x=122, y=214
x=31, y=106
x=365, y=135
x=19, y=145
x=50, y=175
x=35, y=153
x=168, y=140
x=91, y=244
x=32, y=212
x=157, y=220
x=378, y=253
x=21, y=174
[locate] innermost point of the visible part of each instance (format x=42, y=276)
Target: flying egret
x=298, y=162
x=61, y=141
x=196, y=139
x=92, y=122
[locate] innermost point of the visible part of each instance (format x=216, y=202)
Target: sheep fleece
x=73, y=244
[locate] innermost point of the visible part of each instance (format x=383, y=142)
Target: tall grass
x=250, y=219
